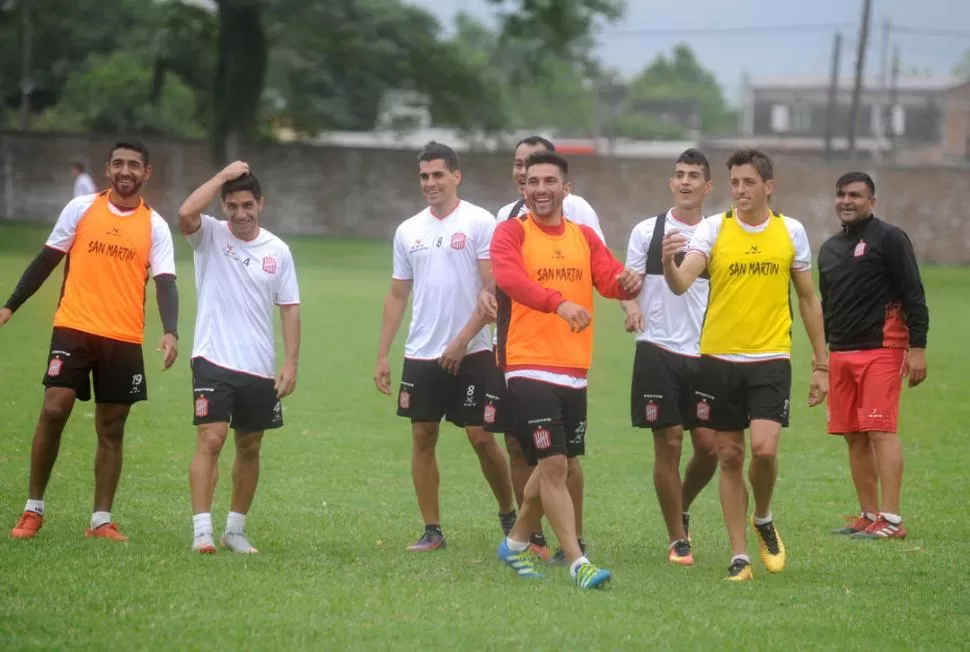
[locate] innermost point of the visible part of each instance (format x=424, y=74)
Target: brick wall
x=346, y=192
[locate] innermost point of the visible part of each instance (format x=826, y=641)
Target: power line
x=740, y=31
x=930, y=31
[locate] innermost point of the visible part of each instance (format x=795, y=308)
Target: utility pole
x=26, y=83
x=860, y=62
x=882, y=114
x=893, y=98
x=832, y=113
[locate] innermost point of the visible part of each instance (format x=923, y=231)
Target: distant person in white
x=668, y=329
x=443, y=251
x=241, y=272
x=578, y=210
x=83, y=183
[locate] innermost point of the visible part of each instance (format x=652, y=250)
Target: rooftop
x=908, y=82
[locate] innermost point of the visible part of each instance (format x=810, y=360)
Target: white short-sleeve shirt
x=670, y=321
x=161, y=259
x=441, y=256
x=238, y=283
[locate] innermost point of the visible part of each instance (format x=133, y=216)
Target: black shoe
x=559, y=559
x=507, y=521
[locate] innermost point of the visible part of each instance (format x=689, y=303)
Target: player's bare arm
x=190, y=212
x=810, y=309
x=290, y=322
x=679, y=278
x=633, y=316
x=395, y=303
x=452, y=356
x=487, y=304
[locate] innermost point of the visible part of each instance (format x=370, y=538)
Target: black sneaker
x=739, y=571
x=681, y=553
x=430, y=540
x=507, y=521
x=559, y=559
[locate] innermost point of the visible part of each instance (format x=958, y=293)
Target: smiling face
x=545, y=189
x=854, y=201
x=439, y=184
x=689, y=186
x=242, y=210
x=522, y=152
x=748, y=190
x=127, y=172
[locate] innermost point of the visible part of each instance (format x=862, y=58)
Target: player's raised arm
x=190, y=212
x=680, y=277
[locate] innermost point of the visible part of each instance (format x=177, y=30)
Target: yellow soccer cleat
x=739, y=571
x=772, y=548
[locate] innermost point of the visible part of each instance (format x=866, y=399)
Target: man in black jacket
x=876, y=323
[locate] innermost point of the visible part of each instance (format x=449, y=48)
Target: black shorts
x=497, y=415
x=117, y=368
x=246, y=402
x=662, y=392
x=548, y=419
x=428, y=393
x=731, y=394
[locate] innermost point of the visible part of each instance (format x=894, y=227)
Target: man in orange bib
x=111, y=240
x=547, y=267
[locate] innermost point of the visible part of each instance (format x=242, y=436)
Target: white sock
x=202, y=525
x=737, y=557
x=895, y=519
x=516, y=546
x=758, y=520
x=36, y=506
x=100, y=518
x=871, y=516
x=235, y=523
x=574, y=568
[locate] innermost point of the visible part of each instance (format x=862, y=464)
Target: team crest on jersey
x=652, y=411
x=54, y=368
x=202, y=407
x=458, y=241
x=404, y=400
x=703, y=410
x=542, y=438
x=269, y=265
x=860, y=249
x=489, y=416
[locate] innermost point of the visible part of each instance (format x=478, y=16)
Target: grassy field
x=335, y=509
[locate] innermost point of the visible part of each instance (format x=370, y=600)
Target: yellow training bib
x=749, y=310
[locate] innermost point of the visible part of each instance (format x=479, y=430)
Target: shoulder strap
x=516, y=208
x=655, y=250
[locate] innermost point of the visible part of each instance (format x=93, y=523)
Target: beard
x=127, y=188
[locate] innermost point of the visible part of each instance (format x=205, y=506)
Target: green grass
x=335, y=509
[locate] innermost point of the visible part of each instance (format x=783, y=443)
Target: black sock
x=433, y=527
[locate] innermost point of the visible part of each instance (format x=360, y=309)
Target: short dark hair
x=755, y=158
x=856, y=177
x=434, y=151
x=694, y=156
x=552, y=158
x=134, y=145
x=77, y=164
x=247, y=181
x=532, y=141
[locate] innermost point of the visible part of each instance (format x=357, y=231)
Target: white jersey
x=670, y=321
x=161, y=258
x=705, y=237
x=441, y=256
x=238, y=283
x=84, y=185
x=574, y=208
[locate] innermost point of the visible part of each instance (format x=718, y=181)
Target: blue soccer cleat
x=523, y=563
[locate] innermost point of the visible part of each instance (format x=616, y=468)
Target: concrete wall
x=346, y=192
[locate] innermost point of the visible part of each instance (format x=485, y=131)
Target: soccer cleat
x=854, y=524
x=106, y=531
x=739, y=571
x=507, y=521
x=203, y=545
x=523, y=563
x=27, y=526
x=236, y=542
x=680, y=553
x=430, y=540
x=538, y=546
x=882, y=529
x=772, y=547
x=591, y=577
x=686, y=519
x=559, y=559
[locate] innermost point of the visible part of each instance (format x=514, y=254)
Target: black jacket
x=872, y=294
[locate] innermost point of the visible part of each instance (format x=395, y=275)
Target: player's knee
x=483, y=442
x=110, y=422
x=573, y=468
x=667, y=445
x=764, y=450
x=211, y=437
x=57, y=407
x=730, y=456
x=514, y=449
x=248, y=445
x=553, y=470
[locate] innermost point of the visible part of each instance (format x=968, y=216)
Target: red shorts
x=864, y=389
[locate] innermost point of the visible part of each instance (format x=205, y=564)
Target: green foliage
x=112, y=94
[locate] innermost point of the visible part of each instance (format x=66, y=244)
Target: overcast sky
x=803, y=51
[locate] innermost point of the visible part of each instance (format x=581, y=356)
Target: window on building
x=780, y=118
